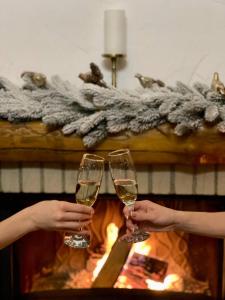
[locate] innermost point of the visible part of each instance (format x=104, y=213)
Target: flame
x=112, y=234
x=171, y=281
x=122, y=282
x=167, y=284
x=155, y=285
x=142, y=248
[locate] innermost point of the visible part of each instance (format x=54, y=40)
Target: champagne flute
x=88, y=183
x=124, y=178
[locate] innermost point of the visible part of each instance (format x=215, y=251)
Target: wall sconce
x=114, y=38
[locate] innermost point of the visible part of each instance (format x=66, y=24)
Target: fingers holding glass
x=88, y=183
x=124, y=178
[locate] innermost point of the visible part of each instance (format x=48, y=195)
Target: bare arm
x=47, y=215
x=153, y=217
x=14, y=228
x=202, y=223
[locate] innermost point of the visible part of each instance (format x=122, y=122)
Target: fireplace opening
x=168, y=264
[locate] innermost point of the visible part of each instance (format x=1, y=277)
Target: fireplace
x=176, y=264
x=168, y=266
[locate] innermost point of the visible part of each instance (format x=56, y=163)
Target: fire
x=122, y=282
x=142, y=248
x=112, y=234
x=170, y=281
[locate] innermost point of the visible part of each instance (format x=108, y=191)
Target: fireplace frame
x=35, y=142
x=9, y=283
x=112, y=294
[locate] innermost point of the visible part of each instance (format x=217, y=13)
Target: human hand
x=150, y=216
x=60, y=216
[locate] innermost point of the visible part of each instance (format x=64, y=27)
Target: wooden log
x=35, y=142
x=113, y=265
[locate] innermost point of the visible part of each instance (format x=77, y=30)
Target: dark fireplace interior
x=172, y=265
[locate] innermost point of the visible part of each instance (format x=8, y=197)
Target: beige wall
x=168, y=39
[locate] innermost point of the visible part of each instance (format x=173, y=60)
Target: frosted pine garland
x=94, y=112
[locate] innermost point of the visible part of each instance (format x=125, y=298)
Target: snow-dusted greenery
x=94, y=112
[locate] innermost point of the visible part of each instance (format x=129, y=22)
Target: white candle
x=114, y=32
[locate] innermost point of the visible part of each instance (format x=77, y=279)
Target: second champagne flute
x=124, y=178
x=88, y=183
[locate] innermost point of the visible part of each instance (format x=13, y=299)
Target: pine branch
x=93, y=112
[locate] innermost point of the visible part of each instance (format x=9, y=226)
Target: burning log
x=154, y=268
x=113, y=265
x=141, y=268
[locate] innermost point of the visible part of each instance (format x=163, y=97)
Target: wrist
x=179, y=219
x=29, y=223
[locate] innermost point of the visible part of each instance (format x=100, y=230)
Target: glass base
x=77, y=241
x=135, y=237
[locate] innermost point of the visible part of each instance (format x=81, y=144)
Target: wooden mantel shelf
x=34, y=142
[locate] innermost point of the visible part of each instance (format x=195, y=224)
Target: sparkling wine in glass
x=88, y=183
x=124, y=178
x=87, y=192
x=127, y=190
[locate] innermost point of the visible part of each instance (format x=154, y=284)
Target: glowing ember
x=169, y=282
x=173, y=282
x=135, y=277
x=112, y=234
x=155, y=285
x=122, y=282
